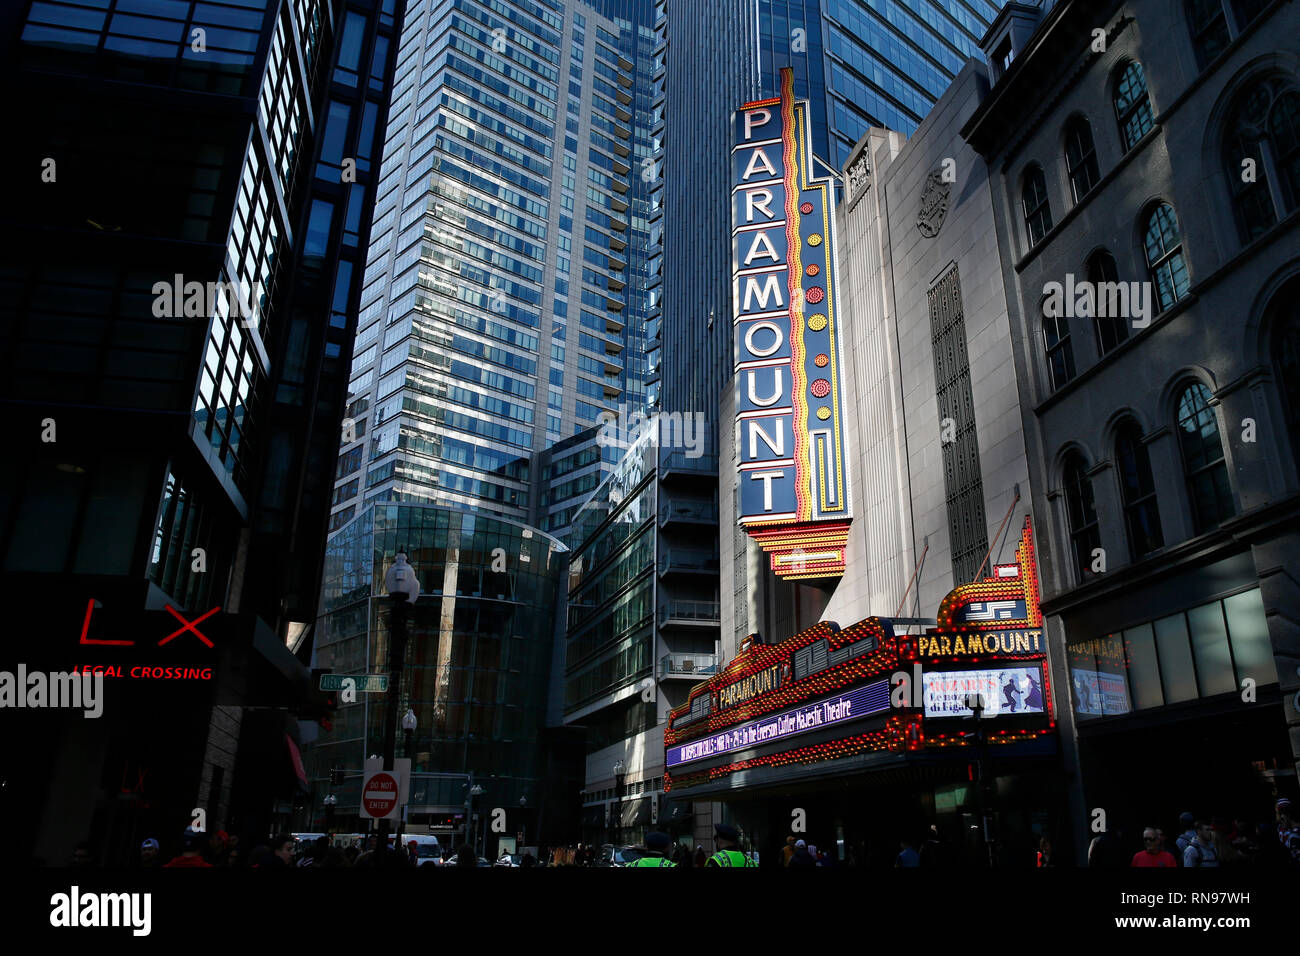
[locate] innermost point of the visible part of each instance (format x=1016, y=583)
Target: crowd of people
x=1200, y=842
x=1205, y=842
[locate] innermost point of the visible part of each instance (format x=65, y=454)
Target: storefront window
x=1143, y=667
x=1251, y=650
x=1099, y=678
x=1176, y=672
x=1210, y=646
x=1202, y=652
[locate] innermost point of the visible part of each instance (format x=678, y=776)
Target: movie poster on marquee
x=1007, y=692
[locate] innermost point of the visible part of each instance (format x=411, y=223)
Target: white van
x=427, y=850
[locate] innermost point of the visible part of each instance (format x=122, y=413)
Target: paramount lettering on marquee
x=981, y=643
x=794, y=493
x=751, y=686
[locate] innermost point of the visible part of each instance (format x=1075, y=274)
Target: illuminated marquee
x=995, y=622
x=793, y=476
x=826, y=678
x=1008, y=600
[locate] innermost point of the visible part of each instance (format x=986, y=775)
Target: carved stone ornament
x=934, y=204
x=859, y=175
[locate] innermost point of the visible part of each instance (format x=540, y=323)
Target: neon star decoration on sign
x=793, y=475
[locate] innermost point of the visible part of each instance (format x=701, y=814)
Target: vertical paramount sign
x=794, y=488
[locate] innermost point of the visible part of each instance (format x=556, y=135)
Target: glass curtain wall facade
x=478, y=655
x=495, y=306
x=862, y=64
x=183, y=370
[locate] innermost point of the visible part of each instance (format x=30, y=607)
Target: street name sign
x=366, y=683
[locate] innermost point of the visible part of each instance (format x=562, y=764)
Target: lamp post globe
x=401, y=579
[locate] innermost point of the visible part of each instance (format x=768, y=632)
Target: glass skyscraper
x=864, y=63
x=502, y=287
x=502, y=321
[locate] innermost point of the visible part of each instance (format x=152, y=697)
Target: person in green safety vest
x=656, y=848
x=727, y=840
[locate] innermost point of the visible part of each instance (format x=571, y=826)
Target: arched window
x=1056, y=346
x=1080, y=157
x=1133, y=105
x=1262, y=155
x=1138, y=491
x=1212, y=29
x=1085, y=536
x=1203, y=465
x=1164, y=249
x=1286, y=360
x=1033, y=198
x=1109, y=318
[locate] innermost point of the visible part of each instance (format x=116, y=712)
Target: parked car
x=618, y=855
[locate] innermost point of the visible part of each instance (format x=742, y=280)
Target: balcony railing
x=695, y=562
x=681, y=461
x=691, y=612
x=695, y=512
x=693, y=666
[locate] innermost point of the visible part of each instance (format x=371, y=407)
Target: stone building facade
x=1143, y=163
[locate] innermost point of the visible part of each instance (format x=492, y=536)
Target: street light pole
x=404, y=589
x=616, y=828
x=977, y=708
x=471, y=827
x=523, y=826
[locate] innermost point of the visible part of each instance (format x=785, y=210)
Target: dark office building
x=193, y=186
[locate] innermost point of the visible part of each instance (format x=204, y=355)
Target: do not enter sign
x=379, y=795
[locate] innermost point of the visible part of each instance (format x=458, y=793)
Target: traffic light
x=336, y=777
x=327, y=718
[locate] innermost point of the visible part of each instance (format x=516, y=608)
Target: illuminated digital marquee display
x=854, y=705
x=793, y=475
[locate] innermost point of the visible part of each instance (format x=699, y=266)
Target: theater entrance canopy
x=873, y=699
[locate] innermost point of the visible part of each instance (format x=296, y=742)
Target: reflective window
x=1163, y=244
x=1211, y=27
x=351, y=38
x=1214, y=670
x=1080, y=157
x=1110, y=316
x=1143, y=667
x=1286, y=361
x=1203, y=464
x=1133, y=105
x=1085, y=535
x=1138, y=492
x=1033, y=199
x=1262, y=155
x=1252, y=651
x=1204, y=651
x=1056, y=346
x=318, y=227
x=1177, y=674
